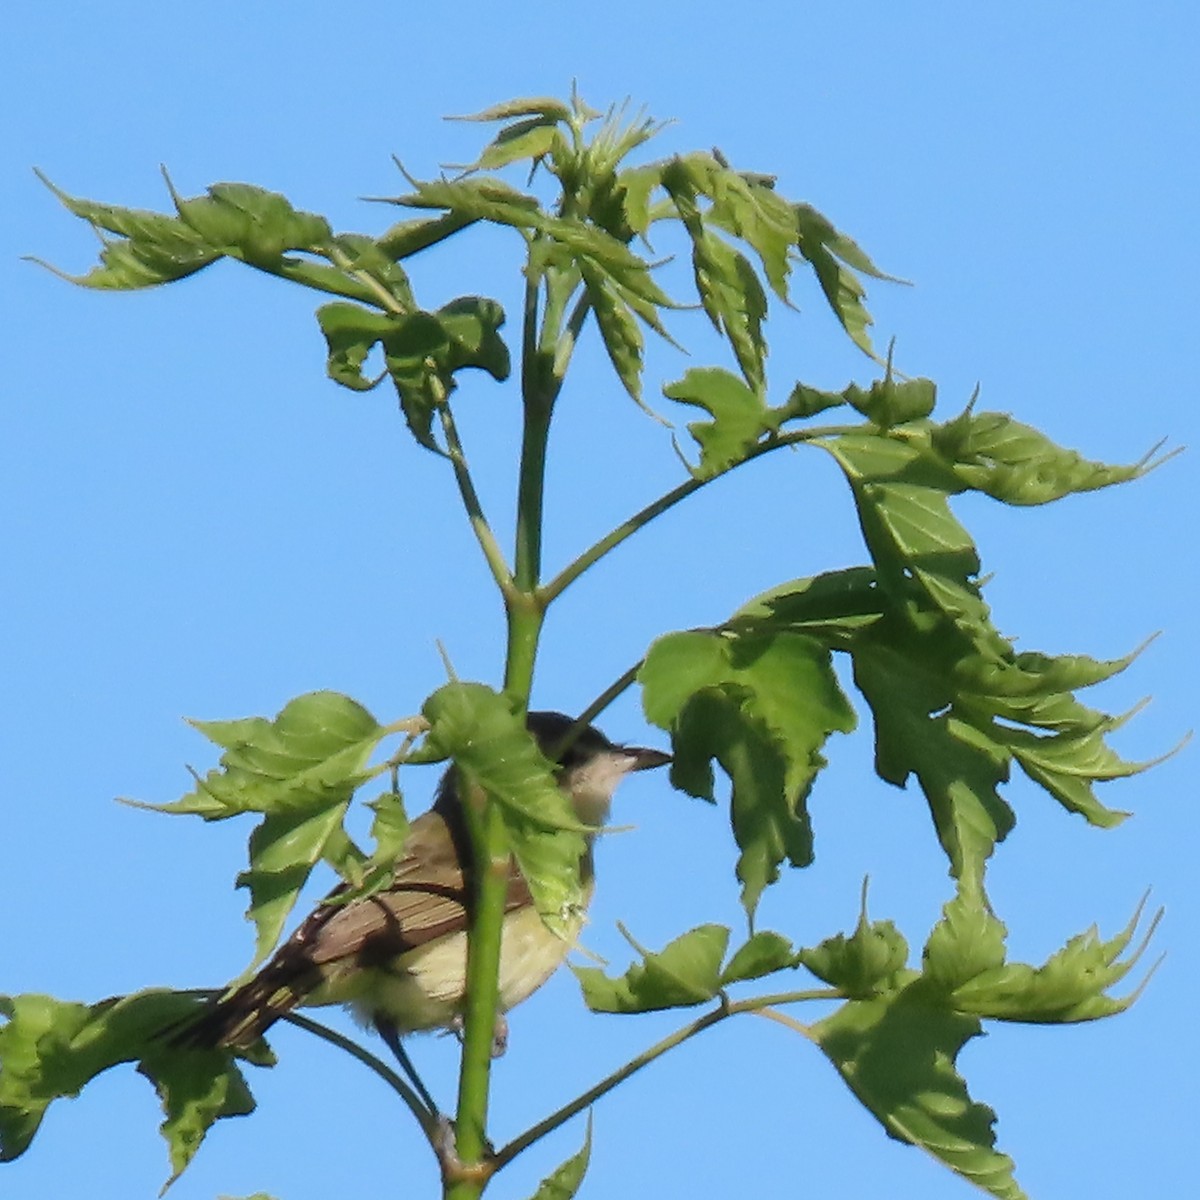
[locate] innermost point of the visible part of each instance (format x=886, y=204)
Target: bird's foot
x=500, y=1036
x=499, y=1033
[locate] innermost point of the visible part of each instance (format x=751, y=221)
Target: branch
x=426, y=1119
x=491, y=852
x=386, y=300
x=610, y=541
x=470, y=498
x=609, y=694
x=725, y=1008
x=566, y=343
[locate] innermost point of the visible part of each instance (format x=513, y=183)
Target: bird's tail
x=239, y=1018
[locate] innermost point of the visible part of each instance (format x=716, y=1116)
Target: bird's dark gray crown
x=549, y=729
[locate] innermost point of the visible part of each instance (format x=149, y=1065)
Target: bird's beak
x=643, y=758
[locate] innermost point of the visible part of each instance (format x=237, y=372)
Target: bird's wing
x=427, y=899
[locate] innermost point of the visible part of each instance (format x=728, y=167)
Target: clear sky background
x=198, y=523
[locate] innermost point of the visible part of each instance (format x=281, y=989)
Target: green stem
x=385, y=299
x=527, y=564
x=725, y=1009
x=470, y=498
x=540, y=386
x=627, y=529
x=483, y=1001
x=609, y=694
x=566, y=343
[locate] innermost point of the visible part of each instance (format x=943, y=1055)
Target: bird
x=398, y=957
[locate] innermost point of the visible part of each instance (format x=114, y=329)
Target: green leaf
x=389, y=828
x=887, y=402
x=492, y=748
x=252, y=223
x=563, y=1182
x=927, y=723
x=764, y=954
x=284, y=848
x=684, y=973
x=735, y=302
x=37, y=1064
x=1070, y=986
x=897, y=1054
x=406, y=238
x=618, y=328
x=953, y=702
x=739, y=417
x=770, y=821
x=746, y=208
x=815, y=230
x=831, y=254
x=955, y=717
x=618, y=282
x=193, y=1097
x=1068, y=763
x=246, y=223
x=872, y=958
x=422, y=352
x=762, y=703
x=484, y=198
x=155, y=248
x=755, y=213
x=472, y=325
x=992, y=453
x=532, y=139
x=350, y=332
x=806, y=401
x=635, y=187
x=729, y=289
x=367, y=874
x=901, y=496
x=925, y=560
x=545, y=107
x=967, y=942
x=414, y=355
x=917, y=732
x=617, y=137
x=300, y=770
x=51, y=1049
x=590, y=178
x=310, y=756
x=831, y=606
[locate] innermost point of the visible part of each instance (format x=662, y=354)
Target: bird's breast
x=425, y=988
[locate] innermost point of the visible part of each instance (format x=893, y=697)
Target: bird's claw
x=499, y=1033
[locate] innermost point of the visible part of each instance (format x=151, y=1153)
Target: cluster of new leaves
x=897, y=1035
x=954, y=704
x=584, y=242
x=579, y=254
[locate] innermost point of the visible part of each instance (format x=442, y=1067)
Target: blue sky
x=198, y=523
